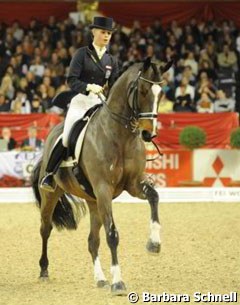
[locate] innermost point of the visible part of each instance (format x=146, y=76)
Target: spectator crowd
x=34, y=62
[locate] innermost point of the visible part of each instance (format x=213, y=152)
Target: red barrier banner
x=170, y=169
x=218, y=128
x=19, y=123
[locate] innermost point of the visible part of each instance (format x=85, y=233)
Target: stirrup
x=48, y=183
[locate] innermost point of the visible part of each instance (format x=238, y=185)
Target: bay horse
x=113, y=160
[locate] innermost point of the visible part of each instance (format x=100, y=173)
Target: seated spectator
x=184, y=97
x=45, y=50
x=204, y=56
x=205, y=85
x=7, y=87
x=46, y=94
x=11, y=72
x=21, y=104
x=227, y=58
x=238, y=42
x=32, y=83
x=168, y=86
x=176, y=29
x=32, y=142
x=6, y=135
x=5, y=104
x=37, y=68
x=223, y=103
x=37, y=105
x=24, y=87
x=133, y=53
x=190, y=61
x=189, y=44
x=17, y=31
x=205, y=104
x=165, y=105
x=188, y=73
x=205, y=67
x=56, y=66
x=211, y=52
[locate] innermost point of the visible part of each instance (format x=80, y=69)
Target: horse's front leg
x=154, y=242
x=144, y=190
x=93, y=244
x=104, y=202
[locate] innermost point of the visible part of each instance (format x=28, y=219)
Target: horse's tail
x=34, y=181
x=69, y=209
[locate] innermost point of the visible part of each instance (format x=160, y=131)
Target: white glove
x=96, y=89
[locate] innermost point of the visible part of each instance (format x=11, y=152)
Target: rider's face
x=101, y=37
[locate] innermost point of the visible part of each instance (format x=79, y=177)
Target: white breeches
x=77, y=108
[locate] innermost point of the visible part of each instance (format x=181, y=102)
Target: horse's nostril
x=146, y=136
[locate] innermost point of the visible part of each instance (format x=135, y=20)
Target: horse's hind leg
x=154, y=242
x=93, y=244
x=48, y=204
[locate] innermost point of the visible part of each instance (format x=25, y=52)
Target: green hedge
x=235, y=138
x=192, y=137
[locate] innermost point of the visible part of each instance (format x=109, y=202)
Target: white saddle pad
x=78, y=148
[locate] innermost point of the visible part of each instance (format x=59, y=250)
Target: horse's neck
x=118, y=100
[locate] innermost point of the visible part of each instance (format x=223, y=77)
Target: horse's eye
x=143, y=91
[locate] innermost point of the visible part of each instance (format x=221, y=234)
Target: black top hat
x=104, y=23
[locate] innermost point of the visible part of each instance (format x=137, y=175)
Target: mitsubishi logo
x=217, y=166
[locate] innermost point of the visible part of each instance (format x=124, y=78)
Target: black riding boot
x=58, y=154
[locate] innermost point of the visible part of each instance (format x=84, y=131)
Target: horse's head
x=144, y=96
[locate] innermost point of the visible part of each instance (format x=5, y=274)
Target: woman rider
x=91, y=69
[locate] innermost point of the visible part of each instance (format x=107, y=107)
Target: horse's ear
x=167, y=66
x=147, y=63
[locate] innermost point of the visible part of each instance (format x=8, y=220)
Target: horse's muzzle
x=147, y=136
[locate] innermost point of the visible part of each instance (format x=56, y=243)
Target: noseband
x=131, y=122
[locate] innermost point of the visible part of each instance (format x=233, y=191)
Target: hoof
x=118, y=289
x=103, y=284
x=43, y=275
x=153, y=248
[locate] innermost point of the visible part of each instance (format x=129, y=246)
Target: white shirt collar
x=99, y=51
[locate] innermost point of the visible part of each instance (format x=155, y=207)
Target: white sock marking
x=116, y=273
x=98, y=273
x=155, y=232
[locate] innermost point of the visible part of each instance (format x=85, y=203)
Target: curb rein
x=132, y=121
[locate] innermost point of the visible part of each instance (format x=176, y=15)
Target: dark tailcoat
x=11, y=143
x=38, y=143
x=86, y=68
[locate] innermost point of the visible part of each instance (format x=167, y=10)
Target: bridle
x=134, y=91
x=131, y=121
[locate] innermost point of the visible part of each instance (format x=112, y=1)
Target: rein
x=117, y=115
x=158, y=150
x=132, y=121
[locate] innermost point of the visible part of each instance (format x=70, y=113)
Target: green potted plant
x=192, y=137
x=235, y=143
x=235, y=138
